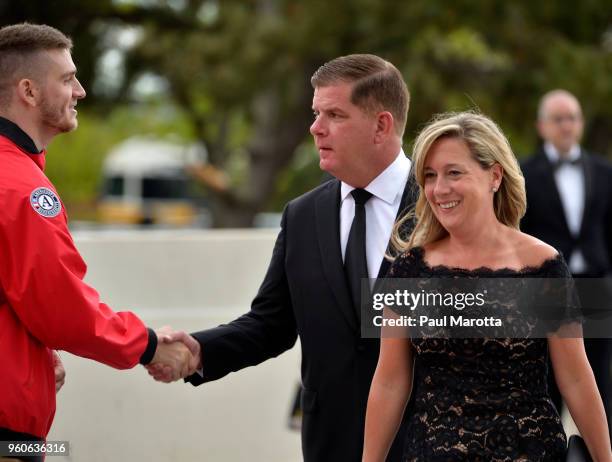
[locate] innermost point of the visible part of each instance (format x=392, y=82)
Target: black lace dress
x=481, y=399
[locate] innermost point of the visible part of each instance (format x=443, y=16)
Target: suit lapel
x=327, y=213
x=589, y=173
x=547, y=183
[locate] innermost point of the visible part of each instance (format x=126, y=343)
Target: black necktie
x=355, y=263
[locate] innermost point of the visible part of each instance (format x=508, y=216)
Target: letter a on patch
x=45, y=202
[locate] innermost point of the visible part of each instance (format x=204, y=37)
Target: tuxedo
x=547, y=220
x=545, y=217
x=305, y=293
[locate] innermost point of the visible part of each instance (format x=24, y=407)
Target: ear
x=28, y=92
x=384, y=126
x=497, y=173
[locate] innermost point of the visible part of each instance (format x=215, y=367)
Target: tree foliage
x=239, y=70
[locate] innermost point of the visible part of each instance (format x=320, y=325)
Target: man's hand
x=179, y=342
x=59, y=371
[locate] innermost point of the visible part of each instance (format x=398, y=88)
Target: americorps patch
x=45, y=202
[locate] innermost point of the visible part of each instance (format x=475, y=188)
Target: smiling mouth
x=448, y=205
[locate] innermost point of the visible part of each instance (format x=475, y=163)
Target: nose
x=441, y=187
x=78, y=91
x=317, y=129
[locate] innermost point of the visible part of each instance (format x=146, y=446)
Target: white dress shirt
x=381, y=210
x=570, y=184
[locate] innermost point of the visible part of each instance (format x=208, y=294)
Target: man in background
x=44, y=303
x=569, y=206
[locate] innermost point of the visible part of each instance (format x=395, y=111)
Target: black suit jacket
x=545, y=217
x=305, y=293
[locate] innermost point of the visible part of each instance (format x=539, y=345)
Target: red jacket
x=44, y=303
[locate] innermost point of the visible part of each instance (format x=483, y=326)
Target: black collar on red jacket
x=12, y=131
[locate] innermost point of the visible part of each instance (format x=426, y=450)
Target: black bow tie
x=564, y=161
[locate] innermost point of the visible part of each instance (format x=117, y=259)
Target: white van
x=145, y=182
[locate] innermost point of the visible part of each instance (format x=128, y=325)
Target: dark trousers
x=10, y=435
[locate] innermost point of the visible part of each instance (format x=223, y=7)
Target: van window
x=164, y=188
x=113, y=186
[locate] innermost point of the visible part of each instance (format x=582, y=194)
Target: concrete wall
x=189, y=280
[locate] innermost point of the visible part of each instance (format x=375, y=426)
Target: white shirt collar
x=553, y=154
x=388, y=184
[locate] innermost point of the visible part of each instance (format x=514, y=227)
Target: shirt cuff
x=149, y=352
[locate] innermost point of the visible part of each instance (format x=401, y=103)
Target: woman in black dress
x=477, y=398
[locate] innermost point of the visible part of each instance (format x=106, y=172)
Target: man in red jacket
x=44, y=303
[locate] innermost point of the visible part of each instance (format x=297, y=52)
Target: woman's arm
x=577, y=386
x=389, y=392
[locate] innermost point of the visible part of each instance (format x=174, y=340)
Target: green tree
x=239, y=70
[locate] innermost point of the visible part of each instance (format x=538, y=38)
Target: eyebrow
x=329, y=109
x=445, y=166
x=69, y=73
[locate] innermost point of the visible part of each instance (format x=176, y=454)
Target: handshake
x=178, y=355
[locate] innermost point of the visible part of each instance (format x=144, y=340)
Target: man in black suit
x=360, y=105
x=569, y=206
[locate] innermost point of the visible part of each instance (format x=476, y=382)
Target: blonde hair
x=488, y=146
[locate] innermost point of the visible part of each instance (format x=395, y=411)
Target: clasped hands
x=178, y=355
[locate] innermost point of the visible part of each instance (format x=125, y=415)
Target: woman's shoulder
x=538, y=256
x=532, y=251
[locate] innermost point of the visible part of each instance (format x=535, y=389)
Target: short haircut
x=20, y=45
x=378, y=85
